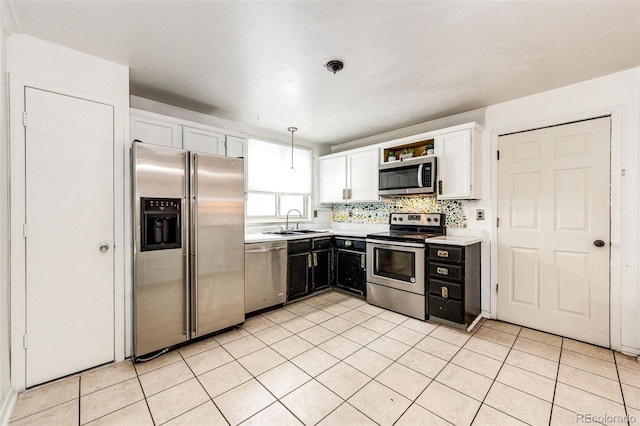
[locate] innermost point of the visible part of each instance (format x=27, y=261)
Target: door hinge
x=24, y=230
x=497, y=285
x=497, y=222
x=498, y=155
x=24, y=118
x=24, y=341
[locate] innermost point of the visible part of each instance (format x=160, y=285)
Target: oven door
x=397, y=265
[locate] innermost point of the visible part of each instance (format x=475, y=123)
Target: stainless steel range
x=396, y=259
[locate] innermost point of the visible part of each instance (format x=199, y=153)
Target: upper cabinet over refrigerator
x=158, y=129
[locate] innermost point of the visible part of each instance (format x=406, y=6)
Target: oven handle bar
x=392, y=244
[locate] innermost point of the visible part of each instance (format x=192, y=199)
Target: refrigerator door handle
x=186, y=250
x=194, y=241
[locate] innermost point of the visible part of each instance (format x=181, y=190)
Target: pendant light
x=292, y=129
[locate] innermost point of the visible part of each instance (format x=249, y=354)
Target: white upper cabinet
x=158, y=129
x=156, y=132
x=363, y=175
x=200, y=140
x=349, y=177
x=333, y=179
x=458, y=165
x=235, y=147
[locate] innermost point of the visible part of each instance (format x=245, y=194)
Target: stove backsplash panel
x=378, y=213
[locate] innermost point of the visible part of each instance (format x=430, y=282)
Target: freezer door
x=160, y=290
x=217, y=241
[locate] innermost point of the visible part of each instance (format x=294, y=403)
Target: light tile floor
x=335, y=360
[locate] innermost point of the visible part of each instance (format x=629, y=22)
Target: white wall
x=38, y=63
x=6, y=395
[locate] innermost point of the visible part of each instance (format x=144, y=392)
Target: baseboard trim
x=6, y=409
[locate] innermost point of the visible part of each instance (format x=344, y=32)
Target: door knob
x=598, y=243
x=104, y=247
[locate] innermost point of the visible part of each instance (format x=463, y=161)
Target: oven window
x=394, y=264
x=399, y=178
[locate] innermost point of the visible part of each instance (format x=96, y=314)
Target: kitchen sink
x=292, y=232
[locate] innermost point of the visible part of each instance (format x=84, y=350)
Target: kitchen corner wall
x=378, y=213
x=7, y=397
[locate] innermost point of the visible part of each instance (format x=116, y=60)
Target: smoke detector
x=334, y=65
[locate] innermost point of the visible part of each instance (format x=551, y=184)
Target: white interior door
x=553, y=237
x=69, y=235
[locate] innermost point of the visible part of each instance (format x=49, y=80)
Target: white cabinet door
x=235, y=147
x=363, y=176
x=155, y=132
x=333, y=179
x=205, y=141
x=455, y=165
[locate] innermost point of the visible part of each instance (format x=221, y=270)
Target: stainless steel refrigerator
x=189, y=245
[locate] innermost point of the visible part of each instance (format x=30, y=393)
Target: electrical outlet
x=479, y=214
x=315, y=213
x=350, y=213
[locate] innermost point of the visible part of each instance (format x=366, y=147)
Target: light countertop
x=454, y=240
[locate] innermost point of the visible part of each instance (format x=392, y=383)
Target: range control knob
x=400, y=219
x=395, y=218
x=435, y=219
x=428, y=219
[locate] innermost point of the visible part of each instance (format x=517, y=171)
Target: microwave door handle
x=420, y=183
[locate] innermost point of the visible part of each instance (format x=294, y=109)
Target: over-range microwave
x=413, y=176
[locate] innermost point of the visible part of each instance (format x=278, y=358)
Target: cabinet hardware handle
x=362, y=261
x=445, y=292
x=442, y=271
x=349, y=194
x=439, y=187
x=315, y=259
x=309, y=260
x=443, y=253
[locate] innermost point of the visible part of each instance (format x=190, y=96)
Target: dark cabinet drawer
x=446, y=253
x=446, y=271
x=298, y=246
x=444, y=288
x=322, y=243
x=448, y=309
x=351, y=244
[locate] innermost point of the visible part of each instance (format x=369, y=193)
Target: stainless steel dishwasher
x=265, y=272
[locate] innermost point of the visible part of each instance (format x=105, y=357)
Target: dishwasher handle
x=265, y=249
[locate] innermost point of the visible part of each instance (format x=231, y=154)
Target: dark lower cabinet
x=453, y=284
x=299, y=268
x=350, y=265
x=321, y=263
x=321, y=269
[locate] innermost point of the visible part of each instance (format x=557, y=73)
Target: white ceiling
x=261, y=63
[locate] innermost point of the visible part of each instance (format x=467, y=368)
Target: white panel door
x=69, y=228
x=155, y=132
x=333, y=179
x=553, y=236
x=200, y=140
x=363, y=175
x=235, y=147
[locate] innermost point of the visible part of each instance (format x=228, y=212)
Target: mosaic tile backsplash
x=378, y=213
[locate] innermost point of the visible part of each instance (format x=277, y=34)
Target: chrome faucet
x=286, y=228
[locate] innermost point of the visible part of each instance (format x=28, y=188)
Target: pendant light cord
x=292, y=129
